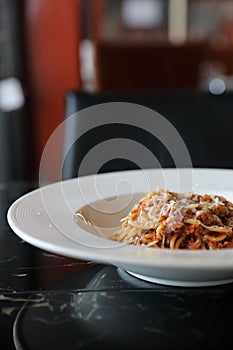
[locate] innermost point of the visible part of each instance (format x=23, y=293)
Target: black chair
x=204, y=122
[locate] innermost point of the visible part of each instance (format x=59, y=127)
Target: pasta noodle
x=165, y=219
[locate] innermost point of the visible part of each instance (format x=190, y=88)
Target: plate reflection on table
x=107, y=308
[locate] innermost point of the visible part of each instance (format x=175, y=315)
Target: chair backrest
x=204, y=121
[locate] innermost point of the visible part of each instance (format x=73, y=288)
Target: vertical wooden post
x=52, y=36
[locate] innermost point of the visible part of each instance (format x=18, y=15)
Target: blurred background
x=48, y=47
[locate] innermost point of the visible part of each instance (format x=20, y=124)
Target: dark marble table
x=52, y=302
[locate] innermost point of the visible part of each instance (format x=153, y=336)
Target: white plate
x=45, y=219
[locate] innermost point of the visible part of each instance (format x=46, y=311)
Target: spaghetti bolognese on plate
x=76, y=217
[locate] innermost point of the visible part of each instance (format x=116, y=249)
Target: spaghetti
x=165, y=219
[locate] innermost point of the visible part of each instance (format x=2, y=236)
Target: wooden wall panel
x=97, y=12
x=148, y=67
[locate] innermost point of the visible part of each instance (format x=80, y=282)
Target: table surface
x=52, y=302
